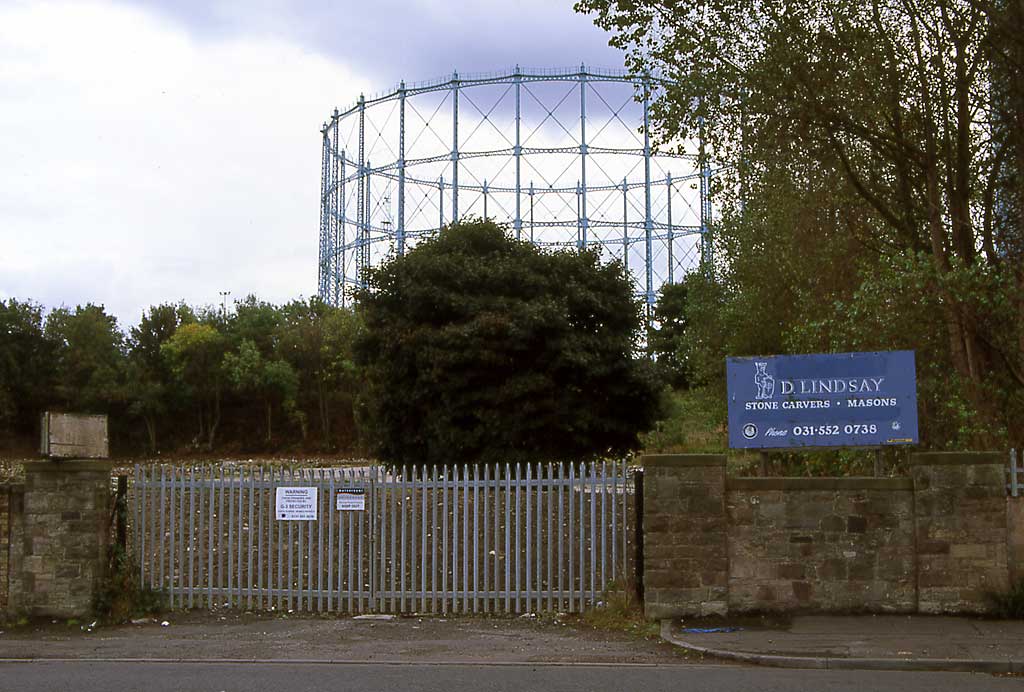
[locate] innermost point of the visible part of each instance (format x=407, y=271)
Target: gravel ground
x=250, y=636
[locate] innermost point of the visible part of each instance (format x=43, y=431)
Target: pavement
x=866, y=642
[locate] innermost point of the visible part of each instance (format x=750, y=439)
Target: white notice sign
x=296, y=504
x=350, y=499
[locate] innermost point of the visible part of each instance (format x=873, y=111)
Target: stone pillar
x=960, y=521
x=65, y=534
x=686, y=564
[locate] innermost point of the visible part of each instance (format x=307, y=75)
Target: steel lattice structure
x=562, y=156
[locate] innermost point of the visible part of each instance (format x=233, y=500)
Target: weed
x=620, y=611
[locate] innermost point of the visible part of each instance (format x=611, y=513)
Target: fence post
x=638, y=538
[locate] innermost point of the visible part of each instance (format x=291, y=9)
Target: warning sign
x=296, y=504
x=350, y=500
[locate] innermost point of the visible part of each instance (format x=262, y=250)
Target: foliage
x=477, y=347
x=870, y=196
x=26, y=373
x=669, y=324
x=89, y=356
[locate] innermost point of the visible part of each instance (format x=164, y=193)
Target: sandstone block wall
x=685, y=559
x=11, y=497
x=1015, y=537
x=62, y=547
x=936, y=542
x=823, y=544
x=960, y=512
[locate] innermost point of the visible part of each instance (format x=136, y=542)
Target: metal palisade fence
x=480, y=538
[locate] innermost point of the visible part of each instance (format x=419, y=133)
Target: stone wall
x=839, y=544
x=685, y=559
x=11, y=497
x=935, y=542
x=1015, y=537
x=60, y=548
x=960, y=508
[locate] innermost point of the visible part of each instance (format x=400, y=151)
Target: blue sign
x=822, y=400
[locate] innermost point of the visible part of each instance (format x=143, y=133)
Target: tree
x=480, y=348
x=665, y=336
x=26, y=373
x=272, y=381
x=316, y=339
x=151, y=389
x=912, y=109
x=89, y=358
x=195, y=354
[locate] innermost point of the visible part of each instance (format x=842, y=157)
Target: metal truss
x=563, y=157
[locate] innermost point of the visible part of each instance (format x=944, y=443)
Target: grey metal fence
x=1013, y=487
x=484, y=538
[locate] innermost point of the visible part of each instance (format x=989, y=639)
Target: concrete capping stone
x=666, y=461
x=956, y=458
x=68, y=466
x=855, y=483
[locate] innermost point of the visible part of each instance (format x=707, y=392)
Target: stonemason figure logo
x=765, y=382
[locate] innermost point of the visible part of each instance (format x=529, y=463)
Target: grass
x=620, y=611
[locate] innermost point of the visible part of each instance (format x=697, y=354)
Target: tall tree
x=893, y=98
x=477, y=347
x=316, y=338
x=26, y=373
x=89, y=358
x=195, y=354
x=151, y=389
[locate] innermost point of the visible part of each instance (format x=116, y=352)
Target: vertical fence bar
x=529, y=536
x=172, y=555
x=182, y=485
x=155, y=542
x=240, y=546
x=583, y=535
x=476, y=537
x=538, y=543
x=140, y=523
x=593, y=532
x=625, y=518
x=615, y=505
x=259, y=540
x=516, y=525
x=456, y=538
x=407, y=496
x=222, y=548
x=329, y=511
x=423, y=538
x=291, y=547
x=465, y=538
x=249, y=533
x=163, y=533
x=382, y=533
x=561, y=534
x=486, y=544
x=191, y=536
x=433, y=541
x=280, y=544
x=359, y=543
x=351, y=545
x=550, y=536
x=444, y=534
x=508, y=538
x=571, y=530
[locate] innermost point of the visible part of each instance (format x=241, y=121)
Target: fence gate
x=484, y=538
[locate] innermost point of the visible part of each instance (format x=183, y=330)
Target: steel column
x=455, y=147
x=583, y=157
x=401, y=171
x=362, y=210
x=671, y=239
x=648, y=222
x=518, y=150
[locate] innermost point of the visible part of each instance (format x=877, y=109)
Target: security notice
x=350, y=499
x=296, y=504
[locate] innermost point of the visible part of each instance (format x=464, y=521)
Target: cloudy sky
x=160, y=150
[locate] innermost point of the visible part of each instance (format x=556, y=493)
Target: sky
x=160, y=150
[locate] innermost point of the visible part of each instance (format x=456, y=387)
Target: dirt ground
x=257, y=636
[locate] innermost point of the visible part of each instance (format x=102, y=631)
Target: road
x=86, y=676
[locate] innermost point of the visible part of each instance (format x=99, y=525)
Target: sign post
x=822, y=400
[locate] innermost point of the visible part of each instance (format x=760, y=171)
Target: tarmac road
x=88, y=676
